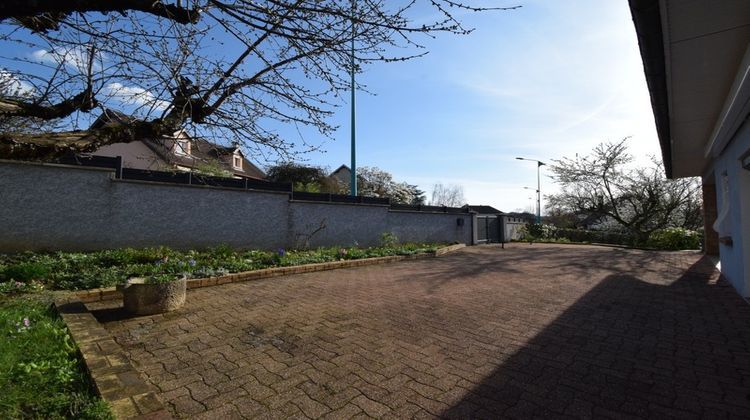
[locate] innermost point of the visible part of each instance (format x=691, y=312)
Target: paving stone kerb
x=111, y=293
x=114, y=378
x=527, y=331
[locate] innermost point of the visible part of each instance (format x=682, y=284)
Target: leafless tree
x=227, y=69
x=639, y=200
x=447, y=195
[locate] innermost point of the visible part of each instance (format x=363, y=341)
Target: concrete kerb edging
x=111, y=293
x=115, y=379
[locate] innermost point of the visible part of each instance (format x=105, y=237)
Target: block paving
x=529, y=331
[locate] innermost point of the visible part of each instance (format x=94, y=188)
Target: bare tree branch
x=45, y=15
x=224, y=69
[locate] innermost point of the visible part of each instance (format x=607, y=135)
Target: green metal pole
x=354, y=151
x=538, y=194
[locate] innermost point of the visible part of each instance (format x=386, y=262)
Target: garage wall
x=734, y=205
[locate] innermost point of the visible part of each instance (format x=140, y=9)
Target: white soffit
x=705, y=44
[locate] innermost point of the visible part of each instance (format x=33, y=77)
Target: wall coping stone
x=210, y=187
x=431, y=212
x=336, y=203
x=56, y=165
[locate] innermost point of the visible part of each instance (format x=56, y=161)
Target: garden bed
x=27, y=272
x=41, y=374
x=41, y=367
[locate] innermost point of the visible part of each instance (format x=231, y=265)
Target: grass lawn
x=41, y=375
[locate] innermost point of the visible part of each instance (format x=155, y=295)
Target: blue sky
x=548, y=80
x=551, y=79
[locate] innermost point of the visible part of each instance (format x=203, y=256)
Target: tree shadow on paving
x=629, y=348
x=484, y=259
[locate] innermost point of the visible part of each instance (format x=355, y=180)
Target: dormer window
x=182, y=147
x=237, y=161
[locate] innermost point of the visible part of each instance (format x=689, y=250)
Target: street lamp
x=353, y=180
x=538, y=188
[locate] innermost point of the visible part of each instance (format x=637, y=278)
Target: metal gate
x=488, y=229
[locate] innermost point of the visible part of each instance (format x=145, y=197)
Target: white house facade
x=696, y=57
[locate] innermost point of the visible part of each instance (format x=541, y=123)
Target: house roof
x=111, y=116
x=341, y=169
x=202, y=151
x=523, y=215
x=692, y=55
x=481, y=209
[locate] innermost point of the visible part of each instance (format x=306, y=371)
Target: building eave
x=648, y=27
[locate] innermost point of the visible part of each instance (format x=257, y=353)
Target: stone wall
x=58, y=207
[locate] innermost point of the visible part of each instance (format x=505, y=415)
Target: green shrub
x=534, y=230
x=161, y=278
x=25, y=272
x=674, y=239
x=592, y=236
x=388, y=239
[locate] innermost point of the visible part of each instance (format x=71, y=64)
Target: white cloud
x=73, y=57
x=133, y=95
x=12, y=85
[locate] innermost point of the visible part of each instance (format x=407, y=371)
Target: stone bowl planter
x=143, y=298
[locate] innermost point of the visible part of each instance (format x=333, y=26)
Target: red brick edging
x=111, y=293
x=115, y=379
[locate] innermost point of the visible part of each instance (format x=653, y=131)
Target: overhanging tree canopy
x=231, y=69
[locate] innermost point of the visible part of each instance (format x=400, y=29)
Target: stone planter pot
x=142, y=298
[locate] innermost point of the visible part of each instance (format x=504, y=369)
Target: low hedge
x=663, y=239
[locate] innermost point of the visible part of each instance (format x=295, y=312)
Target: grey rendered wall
x=345, y=224
x=42, y=207
x=189, y=217
x=431, y=227
x=54, y=207
x=50, y=207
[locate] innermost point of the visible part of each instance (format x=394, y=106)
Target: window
x=182, y=147
x=237, y=161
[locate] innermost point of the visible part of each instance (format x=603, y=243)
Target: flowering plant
x=13, y=287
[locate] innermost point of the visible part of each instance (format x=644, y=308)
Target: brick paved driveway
x=527, y=331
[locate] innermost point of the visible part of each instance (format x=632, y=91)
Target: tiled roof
x=202, y=151
x=483, y=209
